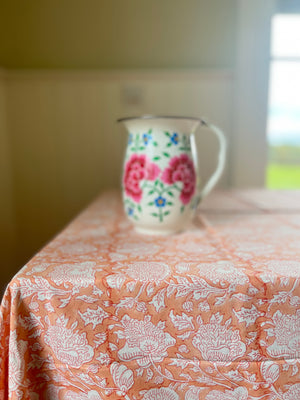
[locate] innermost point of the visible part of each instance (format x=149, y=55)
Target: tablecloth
x=211, y=313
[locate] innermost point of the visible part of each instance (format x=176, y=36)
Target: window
x=283, y=128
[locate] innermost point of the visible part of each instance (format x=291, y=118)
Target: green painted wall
x=117, y=33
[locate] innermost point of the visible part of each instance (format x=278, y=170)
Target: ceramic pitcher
x=160, y=176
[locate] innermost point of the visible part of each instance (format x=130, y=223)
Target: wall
x=117, y=34
x=75, y=66
x=65, y=145
x=68, y=146
x=7, y=262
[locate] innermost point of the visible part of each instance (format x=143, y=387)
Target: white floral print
x=80, y=274
x=135, y=249
x=240, y=393
x=285, y=267
x=161, y=394
x=105, y=313
x=269, y=371
x=217, y=342
x=223, y=272
x=122, y=376
x=76, y=248
x=69, y=347
x=17, y=350
x=91, y=395
x=195, y=247
x=287, y=335
x=293, y=393
x=247, y=248
x=145, y=342
x=148, y=271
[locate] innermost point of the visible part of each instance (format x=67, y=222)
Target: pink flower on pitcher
x=181, y=169
x=138, y=168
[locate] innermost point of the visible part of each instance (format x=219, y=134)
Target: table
x=212, y=313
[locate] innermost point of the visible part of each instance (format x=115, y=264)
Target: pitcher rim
x=161, y=117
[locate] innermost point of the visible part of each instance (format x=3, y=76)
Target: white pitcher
x=160, y=176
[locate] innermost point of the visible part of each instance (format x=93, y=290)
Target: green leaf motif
x=171, y=194
x=166, y=213
x=181, y=209
x=185, y=148
x=139, y=208
x=156, y=158
x=151, y=203
x=167, y=134
x=150, y=192
x=170, y=203
x=155, y=214
x=166, y=154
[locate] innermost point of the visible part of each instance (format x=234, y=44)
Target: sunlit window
x=283, y=131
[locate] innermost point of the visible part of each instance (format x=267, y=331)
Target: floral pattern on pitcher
x=165, y=204
x=137, y=169
x=145, y=178
x=181, y=169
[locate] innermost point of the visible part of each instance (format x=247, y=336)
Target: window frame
x=249, y=145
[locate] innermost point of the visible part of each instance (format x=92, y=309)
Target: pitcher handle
x=221, y=161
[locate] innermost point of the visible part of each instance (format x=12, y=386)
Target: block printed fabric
x=212, y=313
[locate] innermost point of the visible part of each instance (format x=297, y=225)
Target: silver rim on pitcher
x=162, y=117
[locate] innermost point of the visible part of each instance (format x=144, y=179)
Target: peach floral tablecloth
x=212, y=313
